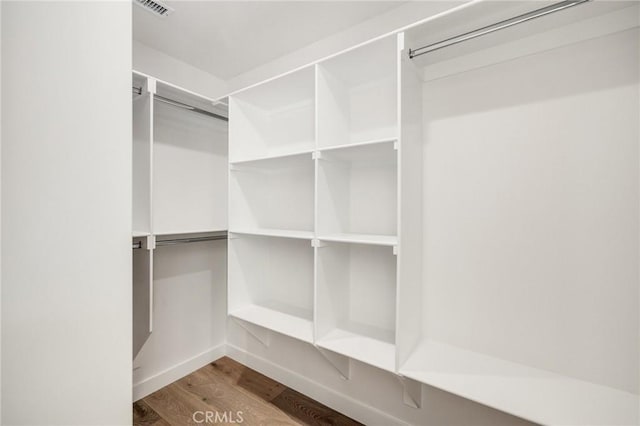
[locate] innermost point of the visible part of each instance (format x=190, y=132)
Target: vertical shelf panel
x=356, y=302
x=190, y=171
x=271, y=283
x=357, y=99
x=141, y=156
x=275, y=118
x=142, y=296
x=410, y=159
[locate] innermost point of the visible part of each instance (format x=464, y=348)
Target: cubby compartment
x=273, y=196
x=357, y=194
x=357, y=95
x=271, y=284
x=274, y=118
x=356, y=302
x=189, y=170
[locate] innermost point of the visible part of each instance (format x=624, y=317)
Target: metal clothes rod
x=190, y=240
x=221, y=236
x=138, y=91
x=538, y=13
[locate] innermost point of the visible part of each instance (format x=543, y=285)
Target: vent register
x=156, y=7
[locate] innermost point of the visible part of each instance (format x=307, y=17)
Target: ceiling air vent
x=155, y=7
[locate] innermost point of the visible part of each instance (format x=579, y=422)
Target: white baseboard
x=178, y=371
x=327, y=396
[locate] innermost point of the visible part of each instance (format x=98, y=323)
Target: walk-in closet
x=381, y=213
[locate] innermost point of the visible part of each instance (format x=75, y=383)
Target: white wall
x=382, y=24
x=534, y=189
x=164, y=67
x=66, y=213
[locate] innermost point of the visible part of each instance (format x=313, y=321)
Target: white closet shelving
x=179, y=181
x=330, y=168
x=273, y=119
x=357, y=194
x=357, y=96
x=356, y=302
x=272, y=283
x=319, y=216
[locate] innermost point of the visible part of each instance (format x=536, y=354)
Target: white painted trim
x=178, y=371
x=327, y=396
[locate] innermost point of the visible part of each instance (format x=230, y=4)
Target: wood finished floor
x=226, y=386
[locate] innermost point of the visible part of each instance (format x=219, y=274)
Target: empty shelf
x=273, y=156
x=370, y=351
x=269, y=232
x=380, y=240
x=533, y=394
x=357, y=144
x=140, y=234
x=289, y=325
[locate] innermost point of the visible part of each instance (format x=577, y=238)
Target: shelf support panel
x=411, y=392
x=261, y=334
x=341, y=363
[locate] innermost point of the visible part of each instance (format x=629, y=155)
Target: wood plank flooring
x=228, y=393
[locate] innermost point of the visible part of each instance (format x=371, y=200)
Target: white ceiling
x=228, y=38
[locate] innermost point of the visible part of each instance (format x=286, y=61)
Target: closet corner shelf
x=289, y=325
x=361, y=348
x=358, y=144
x=268, y=232
x=137, y=234
x=380, y=240
x=533, y=394
x=283, y=155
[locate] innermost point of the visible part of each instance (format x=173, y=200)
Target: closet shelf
x=373, y=239
x=136, y=234
x=357, y=144
x=289, y=325
x=283, y=155
x=270, y=232
x=533, y=394
x=362, y=348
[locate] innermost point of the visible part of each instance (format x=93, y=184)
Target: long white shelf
x=289, y=325
x=373, y=239
x=357, y=144
x=271, y=232
x=271, y=156
x=362, y=348
x=533, y=394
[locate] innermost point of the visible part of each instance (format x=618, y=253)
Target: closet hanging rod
x=138, y=91
x=538, y=13
x=191, y=240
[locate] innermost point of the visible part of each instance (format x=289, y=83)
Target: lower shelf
x=289, y=325
x=370, y=351
x=527, y=392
